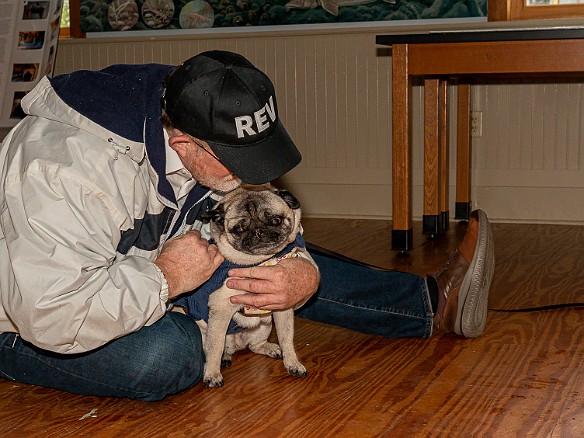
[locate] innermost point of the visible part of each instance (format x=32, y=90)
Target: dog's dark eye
x=275, y=221
x=237, y=230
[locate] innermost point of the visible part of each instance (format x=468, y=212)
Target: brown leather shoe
x=463, y=286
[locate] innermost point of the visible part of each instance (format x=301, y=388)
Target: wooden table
x=445, y=54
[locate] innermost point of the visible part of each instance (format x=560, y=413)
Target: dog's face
x=252, y=223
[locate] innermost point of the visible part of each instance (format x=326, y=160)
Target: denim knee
x=150, y=364
x=173, y=362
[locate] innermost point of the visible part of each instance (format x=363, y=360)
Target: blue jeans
x=156, y=361
x=167, y=357
x=387, y=303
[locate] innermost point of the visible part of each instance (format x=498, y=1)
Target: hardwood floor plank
x=523, y=377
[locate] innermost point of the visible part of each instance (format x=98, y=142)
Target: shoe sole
x=473, y=298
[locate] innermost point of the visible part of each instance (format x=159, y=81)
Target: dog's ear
x=216, y=214
x=289, y=198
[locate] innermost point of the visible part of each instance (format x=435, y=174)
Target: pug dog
x=251, y=225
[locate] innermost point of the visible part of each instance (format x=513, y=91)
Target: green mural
x=135, y=15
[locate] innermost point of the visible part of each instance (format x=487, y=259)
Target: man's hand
x=282, y=286
x=187, y=262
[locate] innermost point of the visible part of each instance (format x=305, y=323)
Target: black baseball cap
x=221, y=98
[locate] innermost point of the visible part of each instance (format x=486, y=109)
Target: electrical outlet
x=476, y=124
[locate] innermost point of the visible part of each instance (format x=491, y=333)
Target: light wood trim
x=401, y=139
x=499, y=10
x=75, y=17
x=64, y=32
x=506, y=10
x=519, y=11
x=431, y=147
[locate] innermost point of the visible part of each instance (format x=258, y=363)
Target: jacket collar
x=126, y=101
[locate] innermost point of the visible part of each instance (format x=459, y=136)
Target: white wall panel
x=333, y=91
x=528, y=165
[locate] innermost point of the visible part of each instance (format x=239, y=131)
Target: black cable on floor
x=540, y=308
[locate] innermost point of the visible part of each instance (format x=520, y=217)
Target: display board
x=29, y=33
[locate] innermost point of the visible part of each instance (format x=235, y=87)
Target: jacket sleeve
x=70, y=291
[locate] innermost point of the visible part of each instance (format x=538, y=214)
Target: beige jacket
x=81, y=221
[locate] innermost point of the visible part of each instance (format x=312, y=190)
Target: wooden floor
x=524, y=377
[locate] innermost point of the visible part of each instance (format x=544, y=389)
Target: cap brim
x=261, y=162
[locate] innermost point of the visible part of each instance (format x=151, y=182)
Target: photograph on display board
x=125, y=15
x=25, y=72
x=36, y=10
x=31, y=40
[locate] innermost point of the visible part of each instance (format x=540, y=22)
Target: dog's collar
x=291, y=247
x=278, y=258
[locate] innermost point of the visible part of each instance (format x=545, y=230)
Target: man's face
x=203, y=164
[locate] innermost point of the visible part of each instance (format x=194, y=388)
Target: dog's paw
x=213, y=381
x=226, y=362
x=268, y=349
x=296, y=369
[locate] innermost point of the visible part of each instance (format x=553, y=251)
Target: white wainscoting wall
x=333, y=89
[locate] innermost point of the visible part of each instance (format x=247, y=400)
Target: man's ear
x=179, y=142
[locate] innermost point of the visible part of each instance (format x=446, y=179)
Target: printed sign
x=29, y=32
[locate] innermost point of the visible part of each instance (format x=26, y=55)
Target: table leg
x=463, y=154
x=443, y=154
x=401, y=234
x=431, y=219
